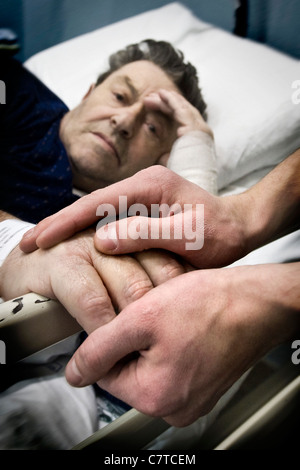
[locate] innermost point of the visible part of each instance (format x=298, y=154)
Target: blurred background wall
x=40, y=24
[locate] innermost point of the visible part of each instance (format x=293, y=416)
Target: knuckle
x=96, y=303
x=135, y=289
x=96, y=307
x=152, y=174
x=172, y=269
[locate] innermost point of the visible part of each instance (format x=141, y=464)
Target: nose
x=125, y=120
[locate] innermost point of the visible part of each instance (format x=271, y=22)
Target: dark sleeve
x=26, y=99
x=35, y=175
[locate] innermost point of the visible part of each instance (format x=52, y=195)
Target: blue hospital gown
x=35, y=175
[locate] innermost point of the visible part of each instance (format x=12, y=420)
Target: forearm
x=270, y=297
x=270, y=209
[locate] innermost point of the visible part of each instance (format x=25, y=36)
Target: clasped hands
x=169, y=352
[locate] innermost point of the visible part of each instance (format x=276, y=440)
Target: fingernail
x=29, y=233
x=72, y=374
x=108, y=237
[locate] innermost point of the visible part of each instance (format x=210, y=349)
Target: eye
x=119, y=97
x=155, y=125
x=152, y=128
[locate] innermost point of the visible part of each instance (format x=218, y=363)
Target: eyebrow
x=125, y=79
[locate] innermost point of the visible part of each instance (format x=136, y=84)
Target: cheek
x=96, y=113
x=144, y=156
x=141, y=161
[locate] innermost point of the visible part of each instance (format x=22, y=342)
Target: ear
x=163, y=160
x=89, y=91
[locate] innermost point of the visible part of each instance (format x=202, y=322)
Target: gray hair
x=171, y=61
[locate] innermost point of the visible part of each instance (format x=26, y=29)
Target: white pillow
x=248, y=89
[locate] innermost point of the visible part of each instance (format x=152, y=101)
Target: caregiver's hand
x=174, y=352
x=232, y=226
x=223, y=226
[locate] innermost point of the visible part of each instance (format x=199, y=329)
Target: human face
x=113, y=134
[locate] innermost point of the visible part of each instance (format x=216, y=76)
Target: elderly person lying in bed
x=129, y=120
x=120, y=127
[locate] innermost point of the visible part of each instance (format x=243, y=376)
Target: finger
x=136, y=234
x=172, y=100
x=28, y=241
x=124, y=277
x=155, y=103
x=62, y=225
x=144, y=187
x=103, y=349
x=184, y=112
x=84, y=295
x=160, y=265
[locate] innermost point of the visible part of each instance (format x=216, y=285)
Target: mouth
x=107, y=144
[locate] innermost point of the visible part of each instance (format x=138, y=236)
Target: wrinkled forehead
x=142, y=77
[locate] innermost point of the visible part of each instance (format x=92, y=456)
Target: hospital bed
x=254, y=110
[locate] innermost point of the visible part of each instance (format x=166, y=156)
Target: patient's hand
x=179, y=109
x=90, y=285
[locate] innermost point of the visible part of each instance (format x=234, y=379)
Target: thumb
x=103, y=349
x=135, y=234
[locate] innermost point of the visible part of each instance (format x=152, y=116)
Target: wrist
x=271, y=292
x=231, y=228
x=270, y=208
x=264, y=305
x=11, y=233
x=201, y=127
x=252, y=220
x=193, y=157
